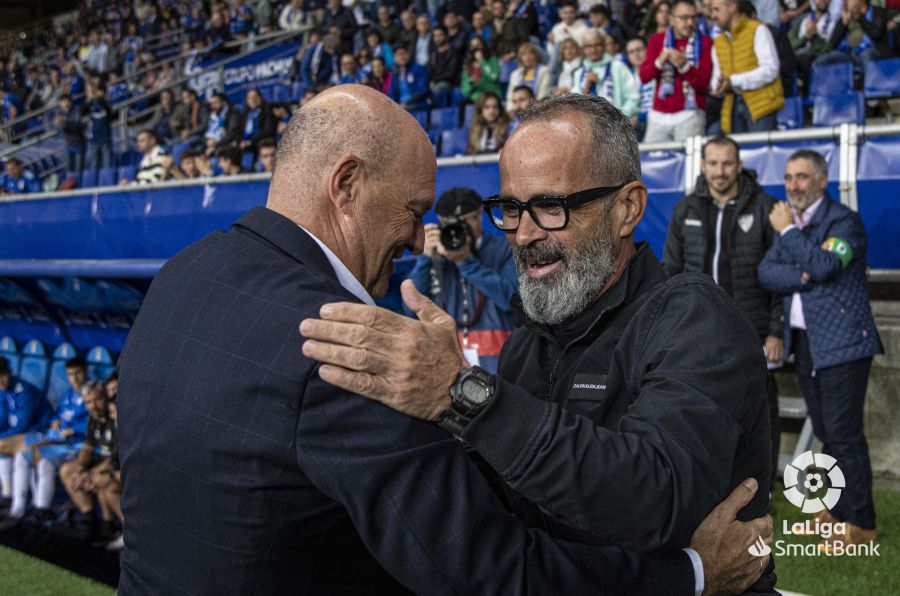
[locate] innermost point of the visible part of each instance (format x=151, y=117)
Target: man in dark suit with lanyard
x=245, y=472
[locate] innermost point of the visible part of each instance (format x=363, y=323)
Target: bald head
x=347, y=155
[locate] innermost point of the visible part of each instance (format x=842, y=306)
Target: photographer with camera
x=469, y=274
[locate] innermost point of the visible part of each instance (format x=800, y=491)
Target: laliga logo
x=814, y=498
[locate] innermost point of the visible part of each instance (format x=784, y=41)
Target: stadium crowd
x=664, y=64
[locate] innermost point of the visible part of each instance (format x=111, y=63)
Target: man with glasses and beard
x=628, y=405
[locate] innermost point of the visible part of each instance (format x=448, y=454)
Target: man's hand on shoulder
x=405, y=364
x=723, y=544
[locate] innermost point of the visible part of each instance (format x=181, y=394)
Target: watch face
x=475, y=391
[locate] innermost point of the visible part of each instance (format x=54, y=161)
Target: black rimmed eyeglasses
x=548, y=212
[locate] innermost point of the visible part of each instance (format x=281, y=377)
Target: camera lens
x=454, y=235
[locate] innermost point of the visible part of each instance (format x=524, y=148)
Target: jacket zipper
x=562, y=353
x=715, y=263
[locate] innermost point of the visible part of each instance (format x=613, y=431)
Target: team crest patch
x=745, y=222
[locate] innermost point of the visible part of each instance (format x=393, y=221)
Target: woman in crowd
x=569, y=61
x=381, y=77
x=490, y=127
x=530, y=72
x=379, y=49
x=657, y=19
x=259, y=123
x=481, y=72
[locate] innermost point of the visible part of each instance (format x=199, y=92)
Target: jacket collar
x=748, y=187
x=819, y=216
x=286, y=236
x=641, y=274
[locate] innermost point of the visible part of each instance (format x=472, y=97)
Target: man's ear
x=345, y=182
x=632, y=206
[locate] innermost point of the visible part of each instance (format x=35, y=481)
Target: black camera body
x=454, y=233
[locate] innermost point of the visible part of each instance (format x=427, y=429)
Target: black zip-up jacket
x=629, y=423
x=686, y=245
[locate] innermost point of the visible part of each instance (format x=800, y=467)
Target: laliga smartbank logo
x=813, y=482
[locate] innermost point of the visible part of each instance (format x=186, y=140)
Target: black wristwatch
x=470, y=394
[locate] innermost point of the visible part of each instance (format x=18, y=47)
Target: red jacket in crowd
x=696, y=76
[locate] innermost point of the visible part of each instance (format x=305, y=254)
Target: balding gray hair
x=318, y=134
x=819, y=165
x=614, y=155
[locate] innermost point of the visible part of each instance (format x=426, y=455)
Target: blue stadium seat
x=791, y=115
x=35, y=366
x=458, y=97
x=9, y=349
x=882, y=78
x=831, y=80
x=75, y=175
x=100, y=363
x=281, y=93
x=107, y=177
x=444, y=118
x=89, y=179
x=421, y=118
x=127, y=172
x=58, y=382
x=469, y=114
x=454, y=142
x=247, y=160
x=178, y=150
x=839, y=109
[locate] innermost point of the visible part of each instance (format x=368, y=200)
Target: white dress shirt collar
x=345, y=278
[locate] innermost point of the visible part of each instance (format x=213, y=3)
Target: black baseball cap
x=457, y=201
x=4, y=365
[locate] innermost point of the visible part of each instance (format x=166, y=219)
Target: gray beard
x=571, y=290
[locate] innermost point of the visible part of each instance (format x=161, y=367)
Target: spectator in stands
x=17, y=179
x=340, y=22
x=109, y=491
x=705, y=23
x=319, y=64
x=13, y=108
x=745, y=72
x=423, y=42
x=810, y=37
x=192, y=117
x=84, y=476
x=599, y=17
x=792, y=12
x=859, y=37
x=531, y=73
x=386, y=26
x=475, y=283
x=408, y=83
x=294, y=16
x=47, y=450
x=111, y=387
x=224, y=125
x=458, y=32
x=22, y=410
x=154, y=167
x=490, y=126
x=636, y=51
x=217, y=33
x=818, y=264
x=97, y=58
x=163, y=117
x=230, y=161
x=768, y=11
x=614, y=49
x=602, y=76
x=193, y=164
x=480, y=26
x=50, y=89
x=570, y=60
x=265, y=16
x=129, y=47
x=657, y=20
x=381, y=78
x=266, y=155
x=507, y=32
x=242, y=18
x=407, y=34
x=443, y=68
x=521, y=97
x=69, y=120
x=568, y=27
x=350, y=72
x=259, y=121
x=99, y=129
x=378, y=47
x=787, y=65
x=75, y=82
x=481, y=71
x=722, y=229
x=679, y=60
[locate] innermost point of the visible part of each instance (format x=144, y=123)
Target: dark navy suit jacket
x=244, y=473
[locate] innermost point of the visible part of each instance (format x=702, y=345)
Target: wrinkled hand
x=405, y=364
x=781, y=217
x=774, y=349
x=723, y=544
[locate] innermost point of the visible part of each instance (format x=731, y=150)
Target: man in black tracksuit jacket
x=722, y=229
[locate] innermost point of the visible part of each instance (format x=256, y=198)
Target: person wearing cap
x=22, y=409
x=474, y=283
